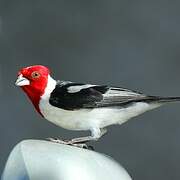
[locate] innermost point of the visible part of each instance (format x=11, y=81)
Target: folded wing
x=73, y=96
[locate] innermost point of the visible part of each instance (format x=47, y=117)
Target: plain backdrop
x=132, y=44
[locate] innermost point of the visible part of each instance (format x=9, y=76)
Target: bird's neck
x=34, y=95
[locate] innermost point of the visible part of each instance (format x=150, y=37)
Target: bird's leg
x=96, y=133
x=57, y=140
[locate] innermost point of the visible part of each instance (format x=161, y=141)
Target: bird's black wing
x=73, y=96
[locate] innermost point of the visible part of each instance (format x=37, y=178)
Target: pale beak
x=22, y=81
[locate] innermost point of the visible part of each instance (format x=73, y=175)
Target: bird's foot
x=70, y=142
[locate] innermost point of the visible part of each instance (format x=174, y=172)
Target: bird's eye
x=35, y=74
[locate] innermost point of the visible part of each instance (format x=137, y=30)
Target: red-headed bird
x=78, y=106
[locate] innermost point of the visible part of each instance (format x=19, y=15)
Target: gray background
x=133, y=44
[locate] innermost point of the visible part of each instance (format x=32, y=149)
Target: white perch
x=43, y=160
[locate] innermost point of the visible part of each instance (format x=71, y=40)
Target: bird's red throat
x=34, y=91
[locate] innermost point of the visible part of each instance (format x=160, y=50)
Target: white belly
x=88, y=119
x=75, y=120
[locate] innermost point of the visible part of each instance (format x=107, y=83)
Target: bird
x=83, y=107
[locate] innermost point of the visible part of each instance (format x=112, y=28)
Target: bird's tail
x=157, y=99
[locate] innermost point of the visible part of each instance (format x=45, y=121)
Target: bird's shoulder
x=75, y=88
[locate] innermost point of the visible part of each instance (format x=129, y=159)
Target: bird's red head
x=33, y=80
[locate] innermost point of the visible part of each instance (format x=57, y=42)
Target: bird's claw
x=70, y=142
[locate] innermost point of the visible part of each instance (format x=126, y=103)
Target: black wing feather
x=60, y=97
x=93, y=97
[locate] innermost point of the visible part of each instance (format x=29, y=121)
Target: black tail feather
x=162, y=99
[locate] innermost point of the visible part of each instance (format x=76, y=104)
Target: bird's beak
x=22, y=81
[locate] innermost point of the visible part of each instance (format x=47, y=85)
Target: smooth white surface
x=43, y=160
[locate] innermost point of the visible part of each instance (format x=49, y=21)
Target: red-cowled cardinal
x=77, y=106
